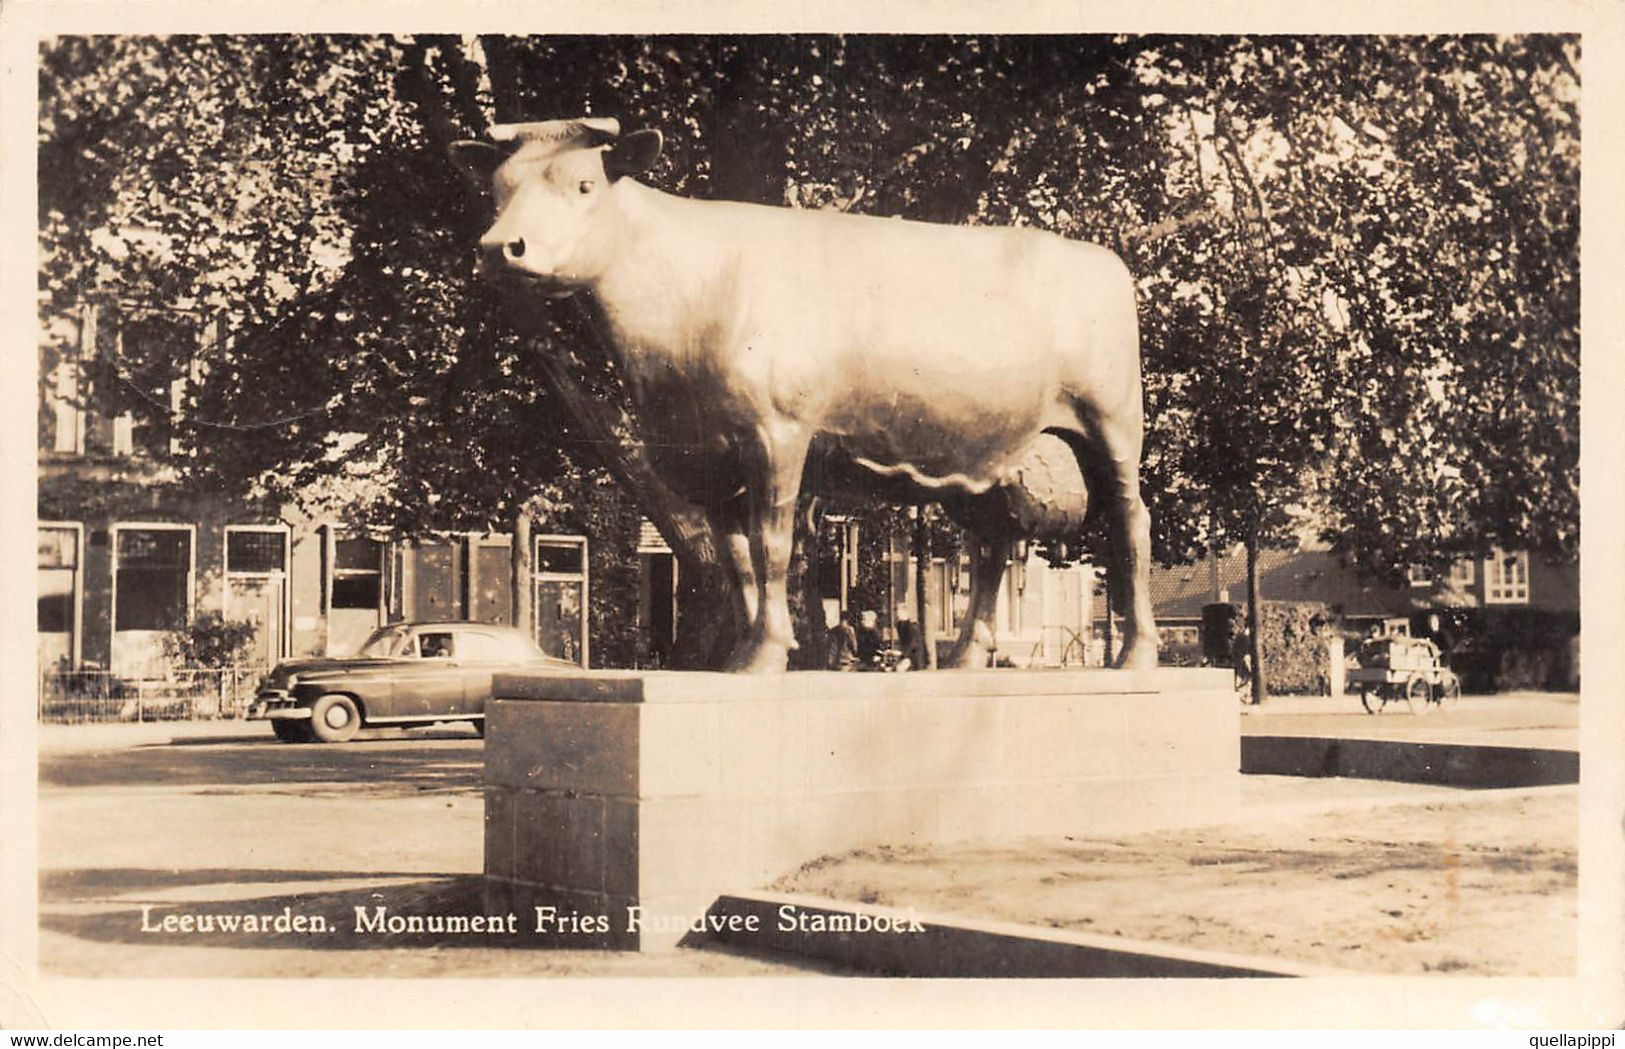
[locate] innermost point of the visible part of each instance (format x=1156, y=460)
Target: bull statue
x=767, y=349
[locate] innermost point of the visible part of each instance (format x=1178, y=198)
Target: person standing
x=868, y=639
x=910, y=642
x=843, y=645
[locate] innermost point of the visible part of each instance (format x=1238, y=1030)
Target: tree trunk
x=747, y=154
x=922, y=573
x=520, y=580
x=1106, y=656
x=503, y=69
x=1255, y=619
x=708, y=623
x=707, y=626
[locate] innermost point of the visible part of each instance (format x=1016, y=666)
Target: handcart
x=1404, y=670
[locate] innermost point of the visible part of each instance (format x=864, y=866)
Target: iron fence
x=181, y=695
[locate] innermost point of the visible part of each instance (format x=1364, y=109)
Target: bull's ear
x=633, y=153
x=477, y=161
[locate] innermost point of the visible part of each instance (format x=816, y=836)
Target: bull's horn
x=592, y=129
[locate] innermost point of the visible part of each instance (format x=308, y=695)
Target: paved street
x=221, y=818
x=1514, y=719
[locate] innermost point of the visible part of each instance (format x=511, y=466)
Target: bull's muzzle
x=494, y=257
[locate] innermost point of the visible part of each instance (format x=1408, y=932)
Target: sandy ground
x=1441, y=882
x=223, y=819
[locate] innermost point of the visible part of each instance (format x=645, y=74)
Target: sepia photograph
x=992, y=521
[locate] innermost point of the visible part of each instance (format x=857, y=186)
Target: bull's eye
x=585, y=185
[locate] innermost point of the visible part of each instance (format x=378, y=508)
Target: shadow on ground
x=371, y=736
x=1435, y=764
x=391, y=766
x=105, y=885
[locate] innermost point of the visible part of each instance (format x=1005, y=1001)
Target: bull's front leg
x=776, y=484
x=731, y=523
x=734, y=549
x=977, y=641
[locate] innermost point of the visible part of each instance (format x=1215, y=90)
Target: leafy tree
x=1357, y=257
x=1463, y=312
x=1315, y=339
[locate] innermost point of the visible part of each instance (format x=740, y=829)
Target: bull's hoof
x=761, y=657
x=1141, y=656
x=971, y=657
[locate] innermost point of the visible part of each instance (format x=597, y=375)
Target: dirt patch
x=1479, y=885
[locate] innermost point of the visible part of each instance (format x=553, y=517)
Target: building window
x=1463, y=573
x=358, y=573
x=153, y=578
x=559, y=593
x=1420, y=575
x=155, y=351
x=68, y=420
x=58, y=564
x=256, y=551
x=1506, y=578
x=1181, y=636
x=124, y=434
x=58, y=598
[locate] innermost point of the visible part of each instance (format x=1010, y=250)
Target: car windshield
x=385, y=641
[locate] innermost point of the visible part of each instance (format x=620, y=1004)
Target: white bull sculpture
x=930, y=363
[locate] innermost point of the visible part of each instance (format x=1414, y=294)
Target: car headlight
x=293, y=679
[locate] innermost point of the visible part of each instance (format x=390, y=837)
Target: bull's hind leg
x=1131, y=543
x=1109, y=454
x=976, y=637
x=774, y=486
x=734, y=550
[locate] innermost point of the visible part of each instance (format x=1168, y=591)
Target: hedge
x=1294, y=642
x=1295, y=647
x=1506, y=649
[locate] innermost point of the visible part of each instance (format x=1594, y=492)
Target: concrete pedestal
x=608, y=792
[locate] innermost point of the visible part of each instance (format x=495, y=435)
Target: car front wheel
x=335, y=719
x=289, y=731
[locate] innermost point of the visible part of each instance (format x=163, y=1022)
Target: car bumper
x=264, y=711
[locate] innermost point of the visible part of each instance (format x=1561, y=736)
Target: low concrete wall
x=619, y=796
x=1440, y=764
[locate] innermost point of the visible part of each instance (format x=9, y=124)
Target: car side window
x=436, y=645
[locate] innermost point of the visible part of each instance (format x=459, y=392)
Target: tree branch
x=1234, y=163
x=426, y=97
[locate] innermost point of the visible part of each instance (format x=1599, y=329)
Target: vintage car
x=404, y=675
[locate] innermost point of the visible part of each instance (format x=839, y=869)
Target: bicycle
x=1074, y=651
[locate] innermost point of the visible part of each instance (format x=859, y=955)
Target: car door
x=430, y=681
x=485, y=654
